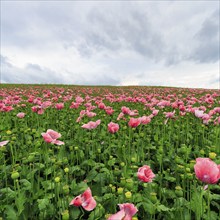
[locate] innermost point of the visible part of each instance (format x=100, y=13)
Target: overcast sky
x=165, y=43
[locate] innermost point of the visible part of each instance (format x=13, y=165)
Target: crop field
x=102, y=152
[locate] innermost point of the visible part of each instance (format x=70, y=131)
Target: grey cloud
x=32, y=73
x=208, y=40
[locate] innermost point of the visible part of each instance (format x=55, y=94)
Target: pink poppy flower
x=85, y=200
x=169, y=114
x=90, y=114
x=133, y=113
x=134, y=122
x=51, y=136
x=125, y=110
x=199, y=113
x=101, y=105
x=109, y=110
x=91, y=125
x=121, y=115
x=113, y=127
x=145, y=174
x=127, y=210
x=21, y=115
x=145, y=120
x=155, y=112
x=207, y=171
x=59, y=106
x=3, y=143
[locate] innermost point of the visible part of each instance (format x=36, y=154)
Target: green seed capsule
x=120, y=190
x=128, y=195
x=15, y=175
x=65, y=215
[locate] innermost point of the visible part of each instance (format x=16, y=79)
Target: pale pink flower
x=91, y=125
x=145, y=174
x=169, y=114
x=21, y=115
x=51, y=136
x=120, y=116
x=133, y=113
x=90, y=114
x=207, y=171
x=85, y=200
x=199, y=113
x=127, y=210
x=3, y=143
x=145, y=120
x=113, y=127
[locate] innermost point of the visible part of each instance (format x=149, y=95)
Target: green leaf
x=149, y=207
x=162, y=208
x=97, y=213
x=43, y=203
x=11, y=213
x=26, y=185
x=74, y=213
x=20, y=201
x=91, y=175
x=8, y=192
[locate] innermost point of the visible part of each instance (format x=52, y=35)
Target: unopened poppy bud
x=57, y=179
x=8, y=132
x=66, y=170
x=122, y=164
x=202, y=152
x=188, y=170
x=15, y=175
x=66, y=189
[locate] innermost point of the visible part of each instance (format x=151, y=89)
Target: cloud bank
x=170, y=43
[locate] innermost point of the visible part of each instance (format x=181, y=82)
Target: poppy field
x=114, y=153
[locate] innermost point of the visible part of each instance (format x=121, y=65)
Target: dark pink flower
x=134, y=122
x=145, y=174
x=127, y=210
x=21, y=115
x=113, y=127
x=91, y=125
x=51, y=136
x=207, y=171
x=101, y=105
x=125, y=110
x=85, y=200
